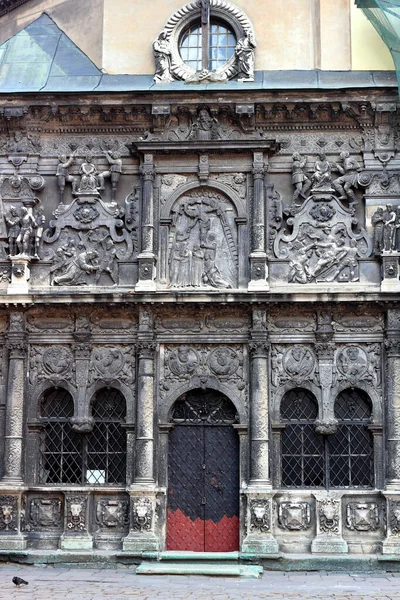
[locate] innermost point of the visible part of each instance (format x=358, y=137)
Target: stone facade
x=233, y=242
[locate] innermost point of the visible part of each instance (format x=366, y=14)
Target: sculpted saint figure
x=322, y=177
x=389, y=229
x=349, y=170
x=12, y=219
x=378, y=221
x=245, y=50
x=299, y=179
x=63, y=176
x=26, y=236
x=162, y=57
x=115, y=162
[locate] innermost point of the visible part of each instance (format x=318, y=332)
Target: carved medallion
x=362, y=516
x=44, y=513
x=224, y=361
x=352, y=363
x=298, y=362
x=57, y=361
x=112, y=514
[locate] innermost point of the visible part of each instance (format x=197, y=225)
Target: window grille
x=94, y=458
x=344, y=459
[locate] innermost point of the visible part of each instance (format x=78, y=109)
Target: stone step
x=187, y=555
x=199, y=568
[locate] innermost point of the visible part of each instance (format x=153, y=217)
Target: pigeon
x=18, y=581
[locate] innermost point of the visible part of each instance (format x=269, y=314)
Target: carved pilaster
x=390, y=272
x=259, y=538
x=326, y=424
x=329, y=538
x=11, y=537
x=82, y=422
x=393, y=401
x=142, y=537
x=391, y=544
x=146, y=257
x=258, y=257
x=76, y=523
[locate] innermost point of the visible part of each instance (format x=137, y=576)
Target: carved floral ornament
x=169, y=64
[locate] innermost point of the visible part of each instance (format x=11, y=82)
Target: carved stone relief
x=142, y=514
x=112, y=514
x=43, y=513
x=362, y=516
x=169, y=183
x=356, y=363
x=53, y=363
x=259, y=516
x=8, y=513
x=296, y=363
x=200, y=365
x=328, y=514
x=294, y=516
x=76, y=513
x=110, y=363
x=386, y=223
x=203, y=242
x=226, y=321
x=394, y=517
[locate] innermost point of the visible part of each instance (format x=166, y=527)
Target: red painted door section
x=203, y=489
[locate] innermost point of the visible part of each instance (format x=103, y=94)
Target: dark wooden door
x=203, y=488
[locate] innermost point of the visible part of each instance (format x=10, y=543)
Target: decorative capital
x=16, y=347
x=146, y=349
x=325, y=350
x=82, y=350
x=259, y=348
x=258, y=172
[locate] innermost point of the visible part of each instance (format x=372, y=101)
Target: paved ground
x=105, y=584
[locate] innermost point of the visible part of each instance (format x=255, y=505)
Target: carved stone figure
x=362, y=516
x=245, y=57
x=62, y=174
x=299, y=178
x=298, y=362
x=115, y=162
x=349, y=170
x=389, y=229
x=27, y=233
x=294, y=516
x=321, y=179
x=13, y=221
x=162, y=57
x=378, y=222
x=72, y=272
x=183, y=361
x=352, y=362
x=205, y=126
x=259, y=516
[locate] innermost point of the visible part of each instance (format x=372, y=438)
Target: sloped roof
x=42, y=58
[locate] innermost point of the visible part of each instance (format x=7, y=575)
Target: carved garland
x=225, y=11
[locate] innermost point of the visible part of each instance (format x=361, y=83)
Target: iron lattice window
x=344, y=459
x=221, y=46
x=97, y=457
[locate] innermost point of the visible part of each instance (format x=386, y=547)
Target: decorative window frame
x=224, y=11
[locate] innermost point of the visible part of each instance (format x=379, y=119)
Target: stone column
x=146, y=257
x=144, y=471
x=393, y=421
x=258, y=257
x=16, y=346
x=11, y=484
x=259, y=539
x=259, y=438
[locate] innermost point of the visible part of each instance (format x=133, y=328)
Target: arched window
x=96, y=457
x=341, y=460
x=106, y=445
x=351, y=461
x=60, y=444
x=302, y=449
